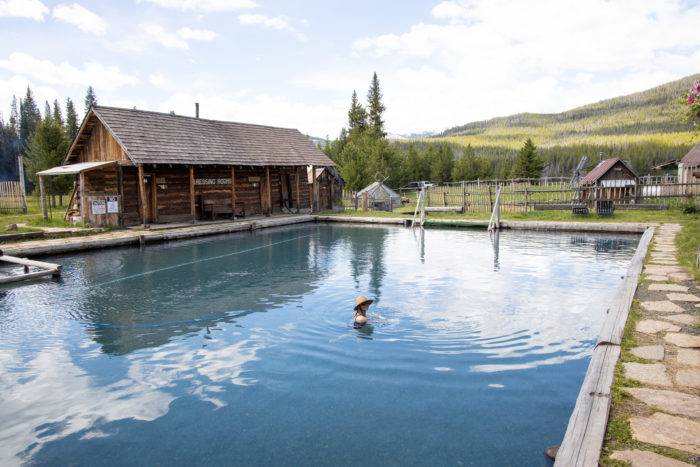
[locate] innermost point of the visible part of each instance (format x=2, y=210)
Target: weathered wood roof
x=162, y=138
x=692, y=159
x=602, y=168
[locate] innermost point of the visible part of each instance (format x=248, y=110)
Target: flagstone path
x=666, y=398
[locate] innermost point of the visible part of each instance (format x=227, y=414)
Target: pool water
x=240, y=350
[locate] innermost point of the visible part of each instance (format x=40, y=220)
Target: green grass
x=670, y=215
x=688, y=242
x=33, y=218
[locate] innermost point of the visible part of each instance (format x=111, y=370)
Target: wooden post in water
x=42, y=194
x=142, y=194
x=193, y=209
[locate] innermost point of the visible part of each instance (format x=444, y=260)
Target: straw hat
x=361, y=300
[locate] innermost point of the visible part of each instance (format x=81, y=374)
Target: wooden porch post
x=269, y=193
x=44, y=209
x=233, y=192
x=193, y=212
x=298, y=192
x=120, y=194
x=313, y=188
x=83, y=202
x=142, y=194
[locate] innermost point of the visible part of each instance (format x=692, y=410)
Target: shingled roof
x=161, y=138
x=601, y=169
x=693, y=157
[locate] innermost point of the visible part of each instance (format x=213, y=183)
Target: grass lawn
x=33, y=218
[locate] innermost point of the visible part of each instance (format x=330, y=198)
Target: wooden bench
x=212, y=208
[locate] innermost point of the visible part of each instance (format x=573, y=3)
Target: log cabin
x=140, y=167
x=611, y=180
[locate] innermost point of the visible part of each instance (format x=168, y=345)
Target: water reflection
x=246, y=340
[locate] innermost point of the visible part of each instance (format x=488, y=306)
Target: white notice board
x=99, y=206
x=112, y=204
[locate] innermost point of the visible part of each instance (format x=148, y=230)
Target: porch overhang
x=73, y=169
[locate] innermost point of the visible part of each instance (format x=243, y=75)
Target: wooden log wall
x=130, y=196
x=99, y=184
x=172, y=185
x=101, y=146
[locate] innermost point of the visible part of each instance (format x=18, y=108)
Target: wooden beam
x=193, y=211
x=154, y=198
x=233, y=192
x=42, y=192
x=84, y=213
x=120, y=192
x=298, y=191
x=269, y=193
x=313, y=188
x=142, y=194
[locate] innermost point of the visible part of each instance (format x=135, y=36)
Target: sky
x=295, y=63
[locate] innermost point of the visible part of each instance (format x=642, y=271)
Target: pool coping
x=143, y=236
x=585, y=432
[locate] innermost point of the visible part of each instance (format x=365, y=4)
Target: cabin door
x=286, y=190
x=151, y=202
x=324, y=195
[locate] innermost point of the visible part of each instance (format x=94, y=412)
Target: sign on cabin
x=212, y=181
x=253, y=179
x=112, y=204
x=99, y=206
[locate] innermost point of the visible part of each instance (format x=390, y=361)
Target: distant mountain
x=653, y=115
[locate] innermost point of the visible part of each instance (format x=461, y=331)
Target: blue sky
x=295, y=63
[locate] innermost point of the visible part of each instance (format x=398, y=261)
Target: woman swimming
x=362, y=304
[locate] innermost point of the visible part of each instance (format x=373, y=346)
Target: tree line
x=42, y=140
x=363, y=154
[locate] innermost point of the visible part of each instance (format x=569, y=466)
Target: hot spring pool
x=240, y=350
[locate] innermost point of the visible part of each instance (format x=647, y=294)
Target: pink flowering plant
x=693, y=102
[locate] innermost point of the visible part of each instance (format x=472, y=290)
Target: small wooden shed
x=689, y=167
x=611, y=180
x=140, y=167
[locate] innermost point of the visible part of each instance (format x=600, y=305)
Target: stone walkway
x=666, y=415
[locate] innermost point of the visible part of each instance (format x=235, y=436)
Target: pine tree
x=57, y=115
x=29, y=116
x=47, y=111
x=357, y=116
x=90, y=99
x=71, y=120
x=376, y=108
x=46, y=149
x=528, y=164
x=14, y=116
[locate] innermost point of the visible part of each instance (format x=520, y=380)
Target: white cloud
x=279, y=23
x=64, y=74
x=478, y=59
x=157, y=79
x=166, y=39
x=32, y=9
x=197, y=34
x=206, y=5
x=80, y=17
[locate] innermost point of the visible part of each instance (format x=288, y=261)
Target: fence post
x=490, y=200
x=526, y=195
x=22, y=188
x=444, y=198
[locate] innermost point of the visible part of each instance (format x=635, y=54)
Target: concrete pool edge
x=142, y=236
x=608, y=227
x=585, y=432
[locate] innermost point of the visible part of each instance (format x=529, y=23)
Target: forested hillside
x=645, y=128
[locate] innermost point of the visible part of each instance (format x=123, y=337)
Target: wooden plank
x=120, y=194
x=585, y=432
x=193, y=209
x=27, y=276
x=269, y=191
x=142, y=194
x=29, y=262
x=233, y=191
x=298, y=176
x=42, y=191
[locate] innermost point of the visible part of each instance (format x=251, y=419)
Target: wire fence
x=525, y=196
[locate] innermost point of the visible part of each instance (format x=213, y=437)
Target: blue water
x=240, y=350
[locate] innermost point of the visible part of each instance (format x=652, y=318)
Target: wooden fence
x=11, y=198
x=554, y=195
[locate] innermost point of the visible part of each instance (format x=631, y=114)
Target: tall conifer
x=376, y=108
x=90, y=99
x=71, y=120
